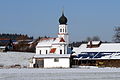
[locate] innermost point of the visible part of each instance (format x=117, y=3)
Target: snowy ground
x=8, y=59
x=61, y=74
x=81, y=73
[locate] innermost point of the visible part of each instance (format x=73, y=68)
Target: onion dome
x=62, y=19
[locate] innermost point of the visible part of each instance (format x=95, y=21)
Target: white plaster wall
x=65, y=36
x=37, y=51
x=33, y=62
x=63, y=63
x=63, y=27
x=43, y=50
x=59, y=48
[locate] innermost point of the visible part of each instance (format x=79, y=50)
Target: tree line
x=115, y=38
x=14, y=36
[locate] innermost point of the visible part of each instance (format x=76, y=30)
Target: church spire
x=62, y=19
x=63, y=12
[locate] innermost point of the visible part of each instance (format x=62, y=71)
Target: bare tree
x=88, y=39
x=96, y=38
x=116, y=36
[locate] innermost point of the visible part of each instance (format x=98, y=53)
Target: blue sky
x=86, y=18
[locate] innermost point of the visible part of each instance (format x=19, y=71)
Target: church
x=54, y=52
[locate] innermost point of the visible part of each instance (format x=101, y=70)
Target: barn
x=96, y=53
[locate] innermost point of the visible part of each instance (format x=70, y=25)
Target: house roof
x=93, y=42
x=49, y=41
x=104, y=47
x=45, y=42
x=59, y=41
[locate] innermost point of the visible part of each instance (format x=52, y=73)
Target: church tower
x=63, y=30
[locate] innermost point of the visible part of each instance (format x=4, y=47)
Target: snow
x=104, y=47
x=94, y=42
x=49, y=42
x=80, y=73
x=45, y=42
x=61, y=74
x=8, y=59
x=112, y=49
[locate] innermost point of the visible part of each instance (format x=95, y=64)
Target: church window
x=64, y=51
x=46, y=51
x=56, y=59
x=63, y=30
x=60, y=51
x=40, y=51
x=60, y=30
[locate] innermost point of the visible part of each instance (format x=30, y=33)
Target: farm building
x=2, y=48
x=97, y=53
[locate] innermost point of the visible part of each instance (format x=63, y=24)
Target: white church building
x=53, y=52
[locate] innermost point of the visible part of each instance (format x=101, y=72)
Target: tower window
x=63, y=30
x=60, y=30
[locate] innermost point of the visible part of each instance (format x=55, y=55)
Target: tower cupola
x=63, y=28
x=62, y=19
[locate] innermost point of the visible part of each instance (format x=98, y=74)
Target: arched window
x=63, y=30
x=60, y=30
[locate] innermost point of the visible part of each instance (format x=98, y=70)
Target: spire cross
x=63, y=11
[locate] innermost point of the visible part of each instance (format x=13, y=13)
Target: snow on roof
x=94, y=42
x=113, y=56
x=104, y=47
x=59, y=40
x=50, y=41
x=52, y=56
x=46, y=42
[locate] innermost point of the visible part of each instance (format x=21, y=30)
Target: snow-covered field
x=8, y=59
x=60, y=74
x=82, y=73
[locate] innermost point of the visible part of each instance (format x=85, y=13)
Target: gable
x=62, y=40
